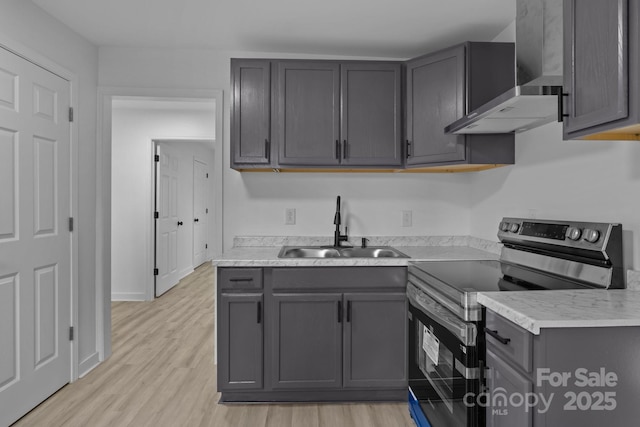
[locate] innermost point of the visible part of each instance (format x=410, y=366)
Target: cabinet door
x=250, y=112
x=307, y=341
x=435, y=99
x=375, y=340
x=505, y=382
x=596, y=62
x=370, y=119
x=308, y=113
x=240, y=342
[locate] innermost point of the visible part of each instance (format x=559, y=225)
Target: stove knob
x=573, y=233
x=504, y=226
x=591, y=236
x=514, y=227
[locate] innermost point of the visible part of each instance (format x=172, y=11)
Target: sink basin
x=308, y=252
x=372, y=252
x=340, y=252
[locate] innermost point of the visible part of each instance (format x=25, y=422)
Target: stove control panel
x=586, y=235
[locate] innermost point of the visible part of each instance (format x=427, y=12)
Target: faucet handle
x=364, y=242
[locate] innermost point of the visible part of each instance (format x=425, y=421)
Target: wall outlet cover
x=407, y=220
x=290, y=216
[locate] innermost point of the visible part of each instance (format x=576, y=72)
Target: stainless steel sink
x=308, y=252
x=372, y=252
x=339, y=252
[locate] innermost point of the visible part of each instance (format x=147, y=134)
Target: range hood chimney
x=534, y=100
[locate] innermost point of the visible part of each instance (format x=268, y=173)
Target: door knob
x=179, y=223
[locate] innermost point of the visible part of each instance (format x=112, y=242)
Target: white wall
x=134, y=126
x=27, y=24
x=254, y=203
x=568, y=180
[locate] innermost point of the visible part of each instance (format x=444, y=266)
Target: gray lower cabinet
x=586, y=376
x=240, y=348
x=444, y=86
x=374, y=331
x=601, y=62
x=307, y=341
x=330, y=334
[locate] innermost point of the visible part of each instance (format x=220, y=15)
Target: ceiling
x=378, y=28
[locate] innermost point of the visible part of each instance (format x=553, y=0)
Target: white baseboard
x=184, y=273
x=128, y=296
x=88, y=364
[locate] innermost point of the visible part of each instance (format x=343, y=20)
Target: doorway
x=138, y=123
x=181, y=210
x=104, y=281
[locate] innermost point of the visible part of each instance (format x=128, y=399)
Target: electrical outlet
x=290, y=216
x=407, y=218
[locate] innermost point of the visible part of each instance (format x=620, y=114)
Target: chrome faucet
x=337, y=236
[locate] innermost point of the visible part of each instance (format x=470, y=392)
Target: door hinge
x=206, y=246
x=207, y=175
x=155, y=272
x=156, y=215
x=71, y=114
x=206, y=210
x=71, y=333
x=71, y=224
x=156, y=158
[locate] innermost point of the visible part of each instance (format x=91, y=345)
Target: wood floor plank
x=161, y=373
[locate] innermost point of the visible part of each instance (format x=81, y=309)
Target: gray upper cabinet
x=435, y=98
x=600, y=52
x=444, y=86
x=374, y=344
x=371, y=114
x=307, y=341
x=250, y=113
x=307, y=119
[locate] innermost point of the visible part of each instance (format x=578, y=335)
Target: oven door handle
x=497, y=336
x=465, y=332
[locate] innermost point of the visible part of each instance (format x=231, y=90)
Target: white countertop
x=268, y=257
x=535, y=310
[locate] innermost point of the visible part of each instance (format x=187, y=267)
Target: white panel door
x=200, y=212
x=168, y=223
x=35, y=241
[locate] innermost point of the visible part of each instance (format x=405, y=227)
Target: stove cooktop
x=488, y=276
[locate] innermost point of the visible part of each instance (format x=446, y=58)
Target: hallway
x=161, y=373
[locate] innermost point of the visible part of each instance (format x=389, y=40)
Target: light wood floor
x=161, y=373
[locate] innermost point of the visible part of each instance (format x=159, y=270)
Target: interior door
x=200, y=212
x=35, y=241
x=168, y=222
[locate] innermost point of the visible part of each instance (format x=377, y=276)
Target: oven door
x=444, y=370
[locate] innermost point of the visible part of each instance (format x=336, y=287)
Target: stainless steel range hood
x=534, y=99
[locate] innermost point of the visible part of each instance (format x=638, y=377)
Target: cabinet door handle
x=259, y=311
x=497, y=336
x=266, y=148
x=344, y=149
x=348, y=311
x=339, y=311
x=408, y=149
x=241, y=279
x=180, y=223
x=561, y=113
